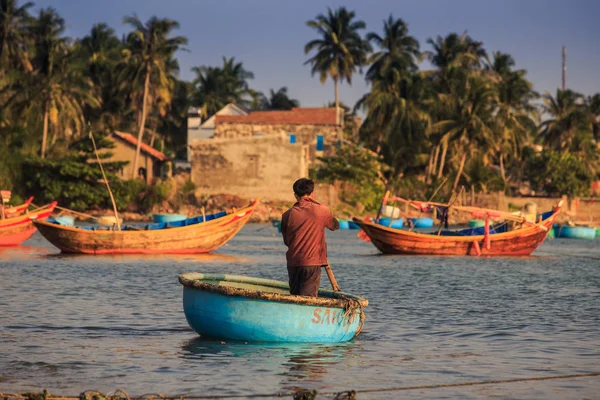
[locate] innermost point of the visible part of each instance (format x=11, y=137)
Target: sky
x=268, y=36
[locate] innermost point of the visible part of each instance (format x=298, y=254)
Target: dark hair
x=303, y=187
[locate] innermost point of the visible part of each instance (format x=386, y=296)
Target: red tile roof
x=144, y=147
x=295, y=116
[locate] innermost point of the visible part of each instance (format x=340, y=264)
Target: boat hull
x=16, y=230
x=193, y=239
x=269, y=314
x=520, y=242
x=574, y=232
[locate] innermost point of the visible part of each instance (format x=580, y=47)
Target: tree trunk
x=337, y=101
x=429, y=166
x=45, y=131
x=435, y=160
x=142, y=123
x=502, y=173
x=442, y=160
x=460, y=170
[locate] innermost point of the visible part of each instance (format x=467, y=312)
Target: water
x=74, y=323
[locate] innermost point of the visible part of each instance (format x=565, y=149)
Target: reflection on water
x=154, y=258
x=305, y=363
x=73, y=323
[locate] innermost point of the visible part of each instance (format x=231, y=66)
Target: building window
x=320, y=145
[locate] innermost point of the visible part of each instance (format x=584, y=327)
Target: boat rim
x=336, y=299
x=242, y=212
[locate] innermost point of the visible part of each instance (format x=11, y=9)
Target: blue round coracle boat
x=397, y=223
x=344, y=224
x=423, y=222
x=168, y=217
x=353, y=225
x=574, y=232
x=237, y=307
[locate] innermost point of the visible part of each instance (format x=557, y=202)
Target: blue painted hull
x=423, y=222
x=65, y=220
x=353, y=225
x=168, y=217
x=574, y=232
x=234, y=307
x=344, y=224
x=397, y=223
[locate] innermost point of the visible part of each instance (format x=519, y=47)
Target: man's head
x=303, y=187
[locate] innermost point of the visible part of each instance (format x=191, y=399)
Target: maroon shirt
x=303, y=228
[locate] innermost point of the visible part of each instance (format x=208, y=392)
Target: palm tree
x=13, y=36
x=215, y=87
x=514, y=110
x=150, y=50
x=397, y=114
x=456, y=51
x=398, y=49
x=57, y=85
x=101, y=51
x=279, y=100
x=340, y=51
x=468, y=125
x=567, y=118
x=593, y=107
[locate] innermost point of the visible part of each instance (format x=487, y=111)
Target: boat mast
x=112, y=199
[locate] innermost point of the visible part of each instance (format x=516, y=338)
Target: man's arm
x=332, y=223
x=284, y=222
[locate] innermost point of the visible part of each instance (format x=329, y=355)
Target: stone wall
x=249, y=167
x=305, y=134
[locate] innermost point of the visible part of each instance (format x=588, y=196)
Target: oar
x=334, y=284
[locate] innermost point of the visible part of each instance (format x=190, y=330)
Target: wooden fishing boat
x=17, y=210
x=498, y=242
x=236, y=307
x=191, y=236
x=15, y=230
x=574, y=232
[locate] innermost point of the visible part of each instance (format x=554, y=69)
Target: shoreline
x=575, y=212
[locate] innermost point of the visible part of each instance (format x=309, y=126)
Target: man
x=303, y=229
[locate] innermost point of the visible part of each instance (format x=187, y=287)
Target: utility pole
x=564, y=67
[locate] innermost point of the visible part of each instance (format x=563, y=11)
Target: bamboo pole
x=332, y=280
x=112, y=199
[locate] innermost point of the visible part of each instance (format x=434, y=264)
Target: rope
x=301, y=395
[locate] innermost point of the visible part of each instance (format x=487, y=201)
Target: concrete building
x=314, y=127
x=262, y=166
x=152, y=163
x=262, y=153
x=198, y=130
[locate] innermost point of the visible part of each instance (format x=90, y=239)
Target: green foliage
x=153, y=195
x=360, y=169
x=559, y=173
x=75, y=181
x=483, y=179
